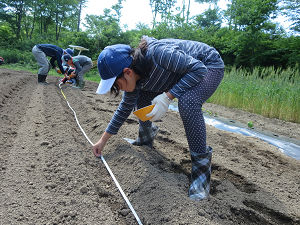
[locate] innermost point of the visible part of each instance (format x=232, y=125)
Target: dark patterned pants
x=190, y=109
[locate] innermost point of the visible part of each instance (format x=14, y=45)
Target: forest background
x=261, y=58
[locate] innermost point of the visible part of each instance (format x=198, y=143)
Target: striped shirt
x=176, y=66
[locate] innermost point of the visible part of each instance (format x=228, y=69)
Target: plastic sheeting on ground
x=287, y=148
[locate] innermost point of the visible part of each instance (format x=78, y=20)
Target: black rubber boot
x=201, y=172
x=42, y=79
x=146, y=135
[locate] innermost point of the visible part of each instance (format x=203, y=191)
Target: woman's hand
x=98, y=147
x=162, y=103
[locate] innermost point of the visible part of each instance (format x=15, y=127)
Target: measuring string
x=104, y=162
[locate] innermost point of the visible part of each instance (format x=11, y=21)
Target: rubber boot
x=80, y=84
x=200, y=176
x=146, y=135
x=42, y=79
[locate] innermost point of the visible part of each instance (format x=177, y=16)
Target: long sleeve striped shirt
x=176, y=66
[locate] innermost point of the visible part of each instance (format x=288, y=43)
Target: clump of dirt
x=50, y=176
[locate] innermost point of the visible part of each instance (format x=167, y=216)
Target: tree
x=186, y=9
x=105, y=29
x=81, y=5
x=250, y=14
x=291, y=9
x=64, y=9
x=164, y=8
x=210, y=18
x=15, y=9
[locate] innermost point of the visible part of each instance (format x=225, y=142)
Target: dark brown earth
x=49, y=175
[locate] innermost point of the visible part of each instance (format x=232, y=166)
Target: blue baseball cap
x=69, y=51
x=65, y=59
x=111, y=62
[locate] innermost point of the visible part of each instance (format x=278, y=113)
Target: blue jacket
x=55, y=53
x=176, y=66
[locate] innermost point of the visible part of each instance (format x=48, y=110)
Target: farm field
x=50, y=176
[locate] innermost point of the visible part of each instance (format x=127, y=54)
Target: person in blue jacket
x=157, y=72
x=41, y=51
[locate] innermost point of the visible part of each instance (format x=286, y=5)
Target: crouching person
x=70, y=76
x=82, y=65
x=157, y=72
x=40, y=53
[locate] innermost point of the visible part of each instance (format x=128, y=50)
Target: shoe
x=200, y=176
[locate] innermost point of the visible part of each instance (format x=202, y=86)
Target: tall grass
x=271, y=92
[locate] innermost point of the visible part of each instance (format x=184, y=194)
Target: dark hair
x=139, y=64
x=115, y=89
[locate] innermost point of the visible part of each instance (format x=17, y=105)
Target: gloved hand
x=72, y=75
x=58, y=70
x=162, y=103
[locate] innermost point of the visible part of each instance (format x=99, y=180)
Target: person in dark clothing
x=155, y=73
x=41, y=51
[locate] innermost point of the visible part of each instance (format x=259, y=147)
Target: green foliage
x=80, y=39
x=267, y=91
x=105, y=29
x=210, y=18
x=6, y=34
x=251, y=14
x=254, y=41
x=17, y=56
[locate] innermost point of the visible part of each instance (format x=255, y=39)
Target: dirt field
x=49, y=175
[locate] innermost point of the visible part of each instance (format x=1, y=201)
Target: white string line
x=106, y=165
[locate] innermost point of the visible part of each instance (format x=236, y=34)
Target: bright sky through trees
x=139, y=11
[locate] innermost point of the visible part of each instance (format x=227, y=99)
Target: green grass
x=265, y=91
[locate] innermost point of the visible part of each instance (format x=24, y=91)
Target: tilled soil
x=50, y=176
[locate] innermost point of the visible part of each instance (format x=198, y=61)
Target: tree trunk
x=79, y=15
x=56, y=25
x=33, y=25
x=60, y=25
x=19, y=15
x=188, y=12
